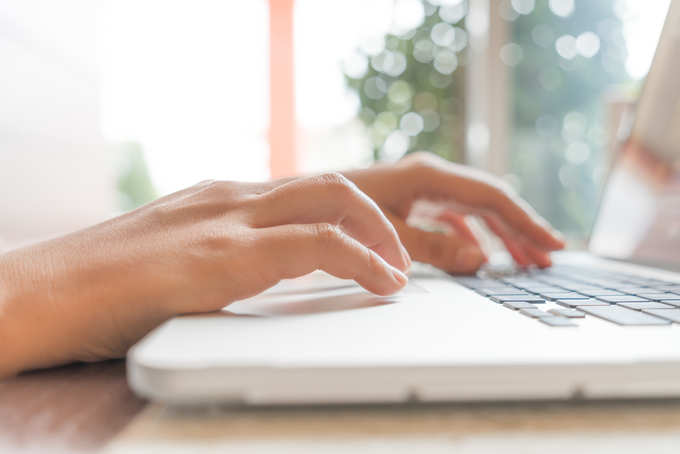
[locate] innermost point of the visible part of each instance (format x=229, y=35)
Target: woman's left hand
x=460, y=191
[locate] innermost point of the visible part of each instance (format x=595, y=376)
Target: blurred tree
x=134, y=182
x=412, y=90
x=563, y=56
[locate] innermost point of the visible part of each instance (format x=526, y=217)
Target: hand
x=92, y=294
x=460, y=191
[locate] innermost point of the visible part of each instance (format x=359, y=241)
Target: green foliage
x=558, y=139
x=134, y=182
x=415, y=87
x=544, y=82
x=557, y=134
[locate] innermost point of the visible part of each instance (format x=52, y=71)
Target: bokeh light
x=587, y=44
x=511, y=54
x=562, y=8
x=523, y=6
x=412, y=123
x=565, y=46
x=412, y=93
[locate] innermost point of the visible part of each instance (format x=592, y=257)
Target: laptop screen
x=639, y=217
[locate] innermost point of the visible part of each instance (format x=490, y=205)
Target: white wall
x=56, y=174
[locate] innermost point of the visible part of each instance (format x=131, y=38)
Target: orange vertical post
x=282, y=158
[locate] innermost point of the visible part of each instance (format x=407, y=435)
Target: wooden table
x=76, y=407
x=90, y=408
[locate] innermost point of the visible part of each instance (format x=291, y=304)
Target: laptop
x=601, y=324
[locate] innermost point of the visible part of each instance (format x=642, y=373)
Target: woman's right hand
x=92, y=294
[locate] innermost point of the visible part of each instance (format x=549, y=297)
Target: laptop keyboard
x=562, y=295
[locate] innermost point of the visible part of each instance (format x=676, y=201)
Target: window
x=188, y=82
x=572, y=66
x=188, y=90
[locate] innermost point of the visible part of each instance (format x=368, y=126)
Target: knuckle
x=218, y=186
x=498, y=187
x=222, y=194
x=504, y=187
x=325, y=238
x=374, y=263
x=222, y=188
x=419, y=157
x=333, y=178
x=204, y=183
x=338, y=183
x=213, y=190
x=419, y=163
x=161, y=213
x=327, y=235
x=503, y=191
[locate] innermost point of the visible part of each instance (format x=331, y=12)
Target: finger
x=509, y=240
x=332, y=199
x=447, y=251
x=457, y=222
x=540, y=257
x=521, y=250
x=480, y=191
x=293, y=250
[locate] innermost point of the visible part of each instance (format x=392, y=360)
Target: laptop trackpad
x=317, y=292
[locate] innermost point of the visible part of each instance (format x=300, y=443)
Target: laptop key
x=533, y=312
x=598, y=292
x=564, y=296
x=474, y=282
x=668, y=297
x=622, y=299
x=575, y=304
x=668, y=314
x=675, y=303
x=566, y=312
x=647, y=305
x=612, y=285
x=513, y=292
x=542, y=289
x=528, y=299
x=556, y=321
x=517, y=304
x=623, y=316
x=658, y=296
x=641, y=290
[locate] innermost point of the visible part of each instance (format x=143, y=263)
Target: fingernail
x=399, y=277
x=469, y=257
x=546, y=262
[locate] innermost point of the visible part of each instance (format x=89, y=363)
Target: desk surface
x=75, y=407
x=90, y=407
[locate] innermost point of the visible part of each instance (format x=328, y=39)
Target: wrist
x=57, y=307
x=18, y=327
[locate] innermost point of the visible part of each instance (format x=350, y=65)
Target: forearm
x=59, y=297
x=25, y=309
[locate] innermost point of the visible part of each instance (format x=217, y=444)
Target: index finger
x=333, y=199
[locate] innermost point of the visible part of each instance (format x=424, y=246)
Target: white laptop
x=598, y=325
